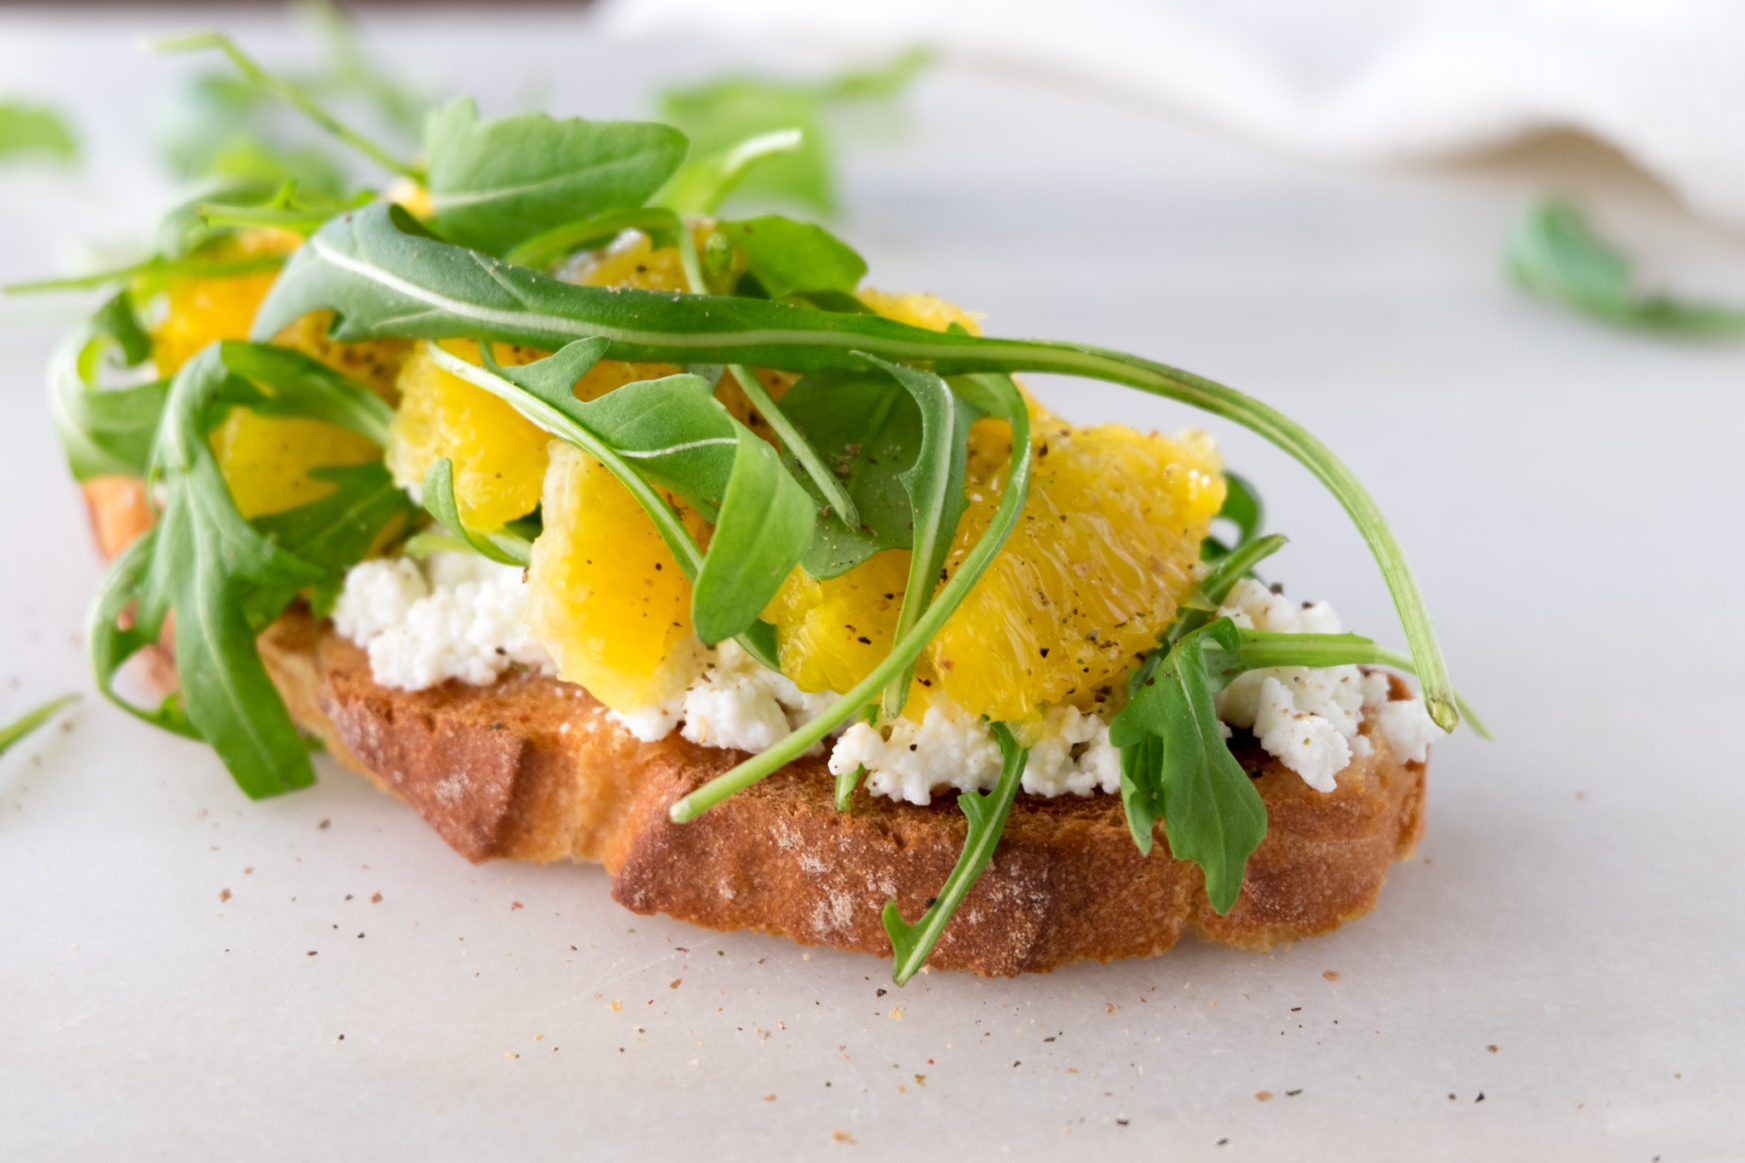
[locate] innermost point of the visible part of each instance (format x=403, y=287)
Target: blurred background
x=1490, y=252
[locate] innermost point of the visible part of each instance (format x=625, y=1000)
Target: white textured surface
x=1567, y=495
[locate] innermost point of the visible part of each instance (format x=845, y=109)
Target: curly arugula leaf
x=383, y=277
x=499, y=546
x=788, y=256
x=1554, y=253
x=34, y=131
x=1175, y=763
x=718, y=115
x=986, y=813
x=1000, y=399
x=105, y=431
x=14, y=732
x=700, y=185
x=500, y=182
x=1175, y=766
x=672, y=434
x=226, y=578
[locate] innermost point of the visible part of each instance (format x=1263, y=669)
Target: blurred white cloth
x=1661, y=80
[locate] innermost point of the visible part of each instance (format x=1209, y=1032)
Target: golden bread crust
x=530, y=768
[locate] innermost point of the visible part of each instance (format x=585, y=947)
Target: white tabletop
x=187, y=975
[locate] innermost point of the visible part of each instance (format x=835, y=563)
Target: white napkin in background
x=1661, y=80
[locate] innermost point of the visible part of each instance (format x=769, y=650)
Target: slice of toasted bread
x=531, y=768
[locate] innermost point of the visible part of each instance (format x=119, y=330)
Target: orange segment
x=606, y=597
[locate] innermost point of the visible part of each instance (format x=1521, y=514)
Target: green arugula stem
x=279, y=216
x=201, y=42
x=835, y=495
x=903, y=653
x=845, y=785
x=912, y=944
x=15, y=731
x=202, y=268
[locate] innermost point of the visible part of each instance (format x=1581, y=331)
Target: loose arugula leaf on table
x=34, y=131
x=1554, y=253
x=14, y=732
x=672, y=434
x=226, y=578
x=501, y=182
x=986, y=813
x=105, y=431
x=788, y=256
x=500, y=546
x=720, y=114
x=385, y=277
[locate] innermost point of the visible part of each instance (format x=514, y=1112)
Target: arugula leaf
x=719, y=114
x=934, y=485
x=383, y=278
x=1554, y=253
x=500, y=182
x=789, y=256
x=869, y=430
x=227, y=578
x=499, y=546
x=1176, y=767
x=700, y=185
x=27, y=130
x=338, y=530
x=104, y=431
x=986, y=814
x=999, y=398
x=763, y=530
x=673, y=434
x=285, y=209
x=1175, y=764
x=14, y=732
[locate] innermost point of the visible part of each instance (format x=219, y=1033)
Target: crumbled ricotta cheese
x=951, y=749
x=456, y=616
x=459, y=616
x=1309, y=718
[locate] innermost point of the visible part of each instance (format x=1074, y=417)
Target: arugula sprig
x=35, y=131
x=226, y=578
x=1555, y=253
x=986, y=814
x=11, y=734
x=384, y=277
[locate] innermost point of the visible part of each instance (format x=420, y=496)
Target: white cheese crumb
x=1408, y=728
x=1309, y=719
x=456, y=617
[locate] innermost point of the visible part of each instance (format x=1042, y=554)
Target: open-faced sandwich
x=597, y=526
